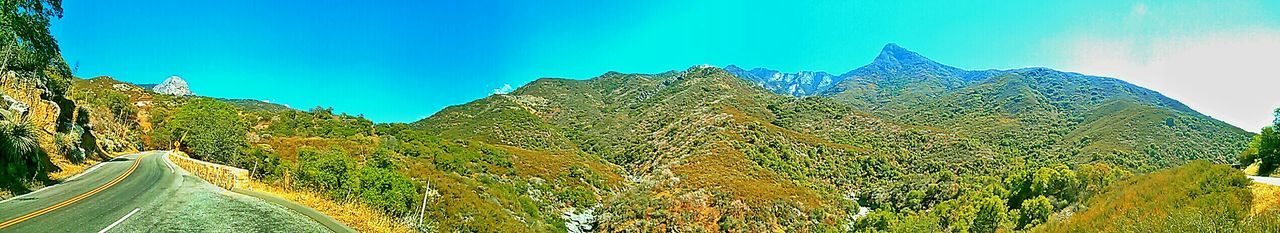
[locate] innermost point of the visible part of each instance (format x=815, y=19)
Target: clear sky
x=399, y=61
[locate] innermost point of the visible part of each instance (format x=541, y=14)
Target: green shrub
x=325, y=170
x=69, y=145
x=207, y=129
x=1265, y=149
x=262, y=163
x=1035, y=211
x=1200, y=195
x=120, y=106
x=319, y=122
x=21, y=153
x=387, y=190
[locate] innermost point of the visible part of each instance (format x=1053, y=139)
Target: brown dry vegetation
x=1266, y=198
x=353, y=214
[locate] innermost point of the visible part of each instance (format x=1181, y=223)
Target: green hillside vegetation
x=42, y=138
x=1199, y=195
x=703, y=150
x=903, y=145
x=731, y=155
x=1050, y=116
x=476, y=186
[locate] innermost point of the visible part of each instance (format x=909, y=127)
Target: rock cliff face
x=803, y=83
x=174, y=85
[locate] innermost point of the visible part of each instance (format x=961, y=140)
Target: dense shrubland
x=689, y=151
x=701, y=150
x=1020, y=200
x=1198, y=196
x=468, y=185
x=923, y=149
x=1007, y=155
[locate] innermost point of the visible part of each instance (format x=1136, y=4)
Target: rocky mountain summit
x=803, y=83
x=174, y=85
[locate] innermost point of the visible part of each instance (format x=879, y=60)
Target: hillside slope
x=903, y=133
x=1044, y=114
x=1199, y=195
x=727, y=149
x=924, y=145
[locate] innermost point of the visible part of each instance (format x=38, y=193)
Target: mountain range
x=709, y=142
x=900, y=141
x=1034, y=104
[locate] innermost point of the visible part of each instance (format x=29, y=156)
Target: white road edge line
x=113, y=225
x=169, y=163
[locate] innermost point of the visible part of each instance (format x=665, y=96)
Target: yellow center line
x=75, y=199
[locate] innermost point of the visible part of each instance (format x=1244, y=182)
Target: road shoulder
x=323, y=219
x=316, y=216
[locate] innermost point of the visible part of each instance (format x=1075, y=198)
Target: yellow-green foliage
x=702, y=150
x=483, y=187
x=207, y=129
x=1195, y=197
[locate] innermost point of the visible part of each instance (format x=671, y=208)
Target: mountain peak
x=894, y=54
x=173, y=85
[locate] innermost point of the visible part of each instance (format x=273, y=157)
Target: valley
x=701, y=148
x=896, y=143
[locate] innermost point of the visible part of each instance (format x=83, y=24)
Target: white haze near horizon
x=1224, y=66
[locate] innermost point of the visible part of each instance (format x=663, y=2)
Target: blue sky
x=400, y=61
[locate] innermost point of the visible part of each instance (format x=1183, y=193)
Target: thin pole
x=422, y=212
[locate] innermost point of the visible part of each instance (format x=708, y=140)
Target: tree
x=387, y=190
x=326, y=170
x=1276, y=120
x=207, y=129
x=990, y=214
x=120, y=105
x=1264, y=149
x=24, y=34
x=1034, y=212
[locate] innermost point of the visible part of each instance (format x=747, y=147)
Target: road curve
x=1266, y=180
x=143, y=192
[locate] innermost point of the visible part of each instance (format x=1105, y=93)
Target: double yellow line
x=75, y=199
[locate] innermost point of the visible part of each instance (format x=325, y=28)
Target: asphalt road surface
x=144, y=192
x=1266, y=180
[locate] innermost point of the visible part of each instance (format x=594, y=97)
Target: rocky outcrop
x=803, y=83
x=174, y=85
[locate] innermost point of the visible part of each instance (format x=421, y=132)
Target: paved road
x=144, y=192
x=1266, y=180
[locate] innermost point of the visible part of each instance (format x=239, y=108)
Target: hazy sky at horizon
x=402, y=61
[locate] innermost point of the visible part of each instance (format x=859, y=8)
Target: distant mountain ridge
x=892, y=59
x=897, y=70
x=803, y=83
x=737, y=142
x=1039, y=105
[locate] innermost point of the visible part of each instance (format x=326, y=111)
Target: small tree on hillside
x=1264, y=149
x=207, y=129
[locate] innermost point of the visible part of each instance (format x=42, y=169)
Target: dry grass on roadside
x=69, y=169
x=1265, y=197
x=355, y=215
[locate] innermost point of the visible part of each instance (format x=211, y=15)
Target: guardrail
x=224, y=176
